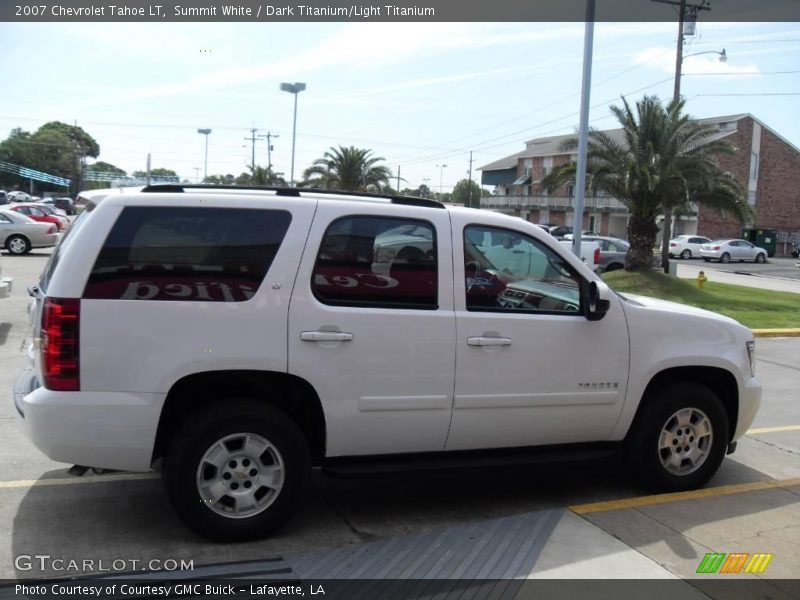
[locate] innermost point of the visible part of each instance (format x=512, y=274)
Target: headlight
x=751, y=355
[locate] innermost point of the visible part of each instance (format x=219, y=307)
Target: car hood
x=677, y=308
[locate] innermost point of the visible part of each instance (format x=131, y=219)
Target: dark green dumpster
x=763, y=238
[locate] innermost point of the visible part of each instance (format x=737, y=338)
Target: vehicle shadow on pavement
x=132, y=520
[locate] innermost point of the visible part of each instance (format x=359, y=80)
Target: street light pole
x=205, y=132
x=293, y=88
x=441, y=167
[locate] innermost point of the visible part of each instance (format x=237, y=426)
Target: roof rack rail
x=290, y=191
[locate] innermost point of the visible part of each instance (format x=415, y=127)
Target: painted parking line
x=722, y=490
x=772, y=429
x=24, y=483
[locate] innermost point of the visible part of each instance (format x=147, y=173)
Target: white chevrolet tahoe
x=238, y=337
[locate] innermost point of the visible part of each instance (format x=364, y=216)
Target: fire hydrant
x=701, y=279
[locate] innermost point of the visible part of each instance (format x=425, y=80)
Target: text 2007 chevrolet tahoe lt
x=243, y=336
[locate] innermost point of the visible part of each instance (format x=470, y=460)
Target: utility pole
x=269, y=137
x=148, y=168
x=469, y=188
x=398, y=179
x=666, y=228
x=252, y=140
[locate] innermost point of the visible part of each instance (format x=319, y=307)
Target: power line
x=759, y=94
x=745, y=73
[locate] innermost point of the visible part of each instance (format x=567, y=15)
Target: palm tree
x=350, y=168
x=665, y=164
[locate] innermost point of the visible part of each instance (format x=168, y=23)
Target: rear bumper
x=96, y=429
x=749, y=402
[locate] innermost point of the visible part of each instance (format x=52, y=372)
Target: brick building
x=766, y=165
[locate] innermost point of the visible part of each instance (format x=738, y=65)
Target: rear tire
x=236, y=470
x=725, y=258
x=18, y=245
x=761, y=259
x=686, y=254
x=678, y=439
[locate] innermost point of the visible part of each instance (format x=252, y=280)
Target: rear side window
x=377, y=262
x=188, y=254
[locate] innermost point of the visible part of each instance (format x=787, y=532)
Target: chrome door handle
x=325, y=336
x=488, y=341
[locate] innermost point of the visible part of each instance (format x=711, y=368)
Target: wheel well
x=293, y=395
x=719, y=381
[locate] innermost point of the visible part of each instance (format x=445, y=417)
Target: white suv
x=246, y=335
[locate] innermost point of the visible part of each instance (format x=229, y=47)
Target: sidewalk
x=755, y=281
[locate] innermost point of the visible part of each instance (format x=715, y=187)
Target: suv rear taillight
x=59, y=347
x=597, y=256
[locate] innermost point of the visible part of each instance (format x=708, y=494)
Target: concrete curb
x=768, y=333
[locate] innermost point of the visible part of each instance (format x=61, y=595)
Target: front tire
x=686, y=254
x=761, y=258
x=679, y=438
x=236, y=470
x=18, y=245
x=725, y=258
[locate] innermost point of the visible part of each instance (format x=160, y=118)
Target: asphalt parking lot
x=575, y=520
x=774, y=267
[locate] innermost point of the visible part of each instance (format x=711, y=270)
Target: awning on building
x=524, y=180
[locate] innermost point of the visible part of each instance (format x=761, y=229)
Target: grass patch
x=752, y=307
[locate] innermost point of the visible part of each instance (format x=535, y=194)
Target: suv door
x=530, y=368
x=372, y=328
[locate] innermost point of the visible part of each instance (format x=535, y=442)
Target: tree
x=666, y=163
x=104, y=167
x=352, y=168
x=160, y=172
x=261, y=176
x=467, y=192
x=55, y=148
x=228, y=179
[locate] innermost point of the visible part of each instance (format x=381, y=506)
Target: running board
x=354, y=466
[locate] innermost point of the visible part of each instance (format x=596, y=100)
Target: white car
x=240, y=337
x=727, y=250
x=687, y=246
x=18, y=196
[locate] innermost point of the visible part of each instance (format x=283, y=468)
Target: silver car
x=19, y=233
x=727, y=250
x=612, y=252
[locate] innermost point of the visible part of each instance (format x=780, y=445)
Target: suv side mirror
x=597, y=300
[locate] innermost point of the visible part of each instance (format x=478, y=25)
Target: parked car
x=64, y=204
x=4, y=198
x=37, y=213
x=54, y=212
x=612, y=252
x=727, y=250
x=240, y=337
x=565, y=231
x=19, y=233
x=687, y=246
x=18, y=196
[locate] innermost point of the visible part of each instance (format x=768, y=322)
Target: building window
x=570, y=190
x=753, y=166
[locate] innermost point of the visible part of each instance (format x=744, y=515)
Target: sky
x=419, y=95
